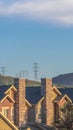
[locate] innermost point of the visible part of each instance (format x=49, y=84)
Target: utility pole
x=35, y=67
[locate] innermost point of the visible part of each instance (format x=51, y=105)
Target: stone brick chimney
x=46, y=91
x=19, y=101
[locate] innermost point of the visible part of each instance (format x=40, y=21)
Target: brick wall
x=20, y=101
x=46, y=88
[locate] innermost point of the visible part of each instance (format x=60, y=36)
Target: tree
x=66, y=117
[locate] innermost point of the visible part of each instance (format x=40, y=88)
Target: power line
x=22, y=74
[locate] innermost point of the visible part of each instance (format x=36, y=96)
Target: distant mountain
x=32, y=83
x=64, y=79
x=8, y=80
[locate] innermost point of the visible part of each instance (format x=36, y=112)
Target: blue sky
x=36, y=31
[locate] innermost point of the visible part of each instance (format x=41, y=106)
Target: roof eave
x=65, y=96
x=29, y=104
x=7, y=96
x=57, y=90
x=12, y=87
x=9, y=122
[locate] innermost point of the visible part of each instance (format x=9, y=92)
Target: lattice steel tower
x=3, y=69
x=35, y=67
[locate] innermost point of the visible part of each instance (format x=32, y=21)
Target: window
x=12, y=114
x=5, y=111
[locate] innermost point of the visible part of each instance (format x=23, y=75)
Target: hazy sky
x=36, y=31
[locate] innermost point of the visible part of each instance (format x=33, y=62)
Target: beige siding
x=11, y=94
x=4, y=125
x=38, y=112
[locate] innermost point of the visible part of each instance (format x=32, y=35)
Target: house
x=47, y=99
x=21, y=105
x=33, y=95
x=38, y=104
x=7, y=107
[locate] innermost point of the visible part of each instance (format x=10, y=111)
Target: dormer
x=10, y=92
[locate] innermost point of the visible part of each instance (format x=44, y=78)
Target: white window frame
x=12, y=114
x=5, y=108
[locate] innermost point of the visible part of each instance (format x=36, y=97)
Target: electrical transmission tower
x=36, y=67
x=3, y=70
x=22, y=74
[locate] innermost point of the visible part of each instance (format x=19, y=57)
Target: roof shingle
x=3, y=89
x=68, y=91
x=33, y=94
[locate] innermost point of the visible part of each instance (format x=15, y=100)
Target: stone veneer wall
x=46, y=88
x=19, y=102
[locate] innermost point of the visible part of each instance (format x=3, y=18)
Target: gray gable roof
x=3, y=89
x=68, y=91
x=33, y=94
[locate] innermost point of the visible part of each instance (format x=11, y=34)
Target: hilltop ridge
x=64, y=79
x=61, y=80
x=9, y=80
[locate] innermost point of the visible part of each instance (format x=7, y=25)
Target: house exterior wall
x=54, y=95
x=11, y=94
x=44, y=111
x=46, y=84
x=26, y=113
x=61, y=103
x=4, y=125
x=56, y=112
x=31, y=114
x=20, y=102
x=38, y=112
x=6, y=104
x=57, y=108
